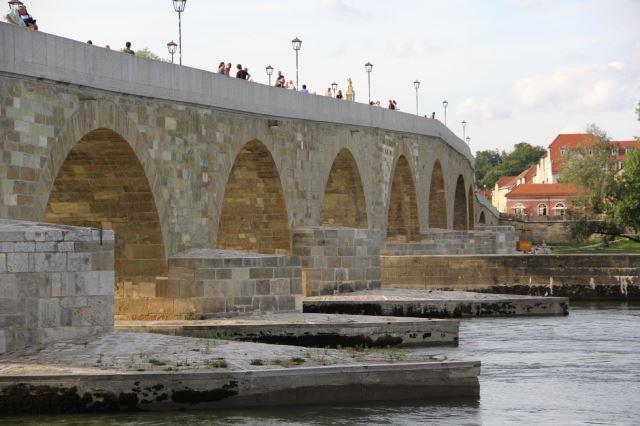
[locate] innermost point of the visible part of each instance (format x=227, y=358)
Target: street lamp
x=417, y=86
x=173, y=48
x=178, y=6
x=468, y=140
x=269, y=73
x=297, y=45
x=334, y=87
x=369, y=67
x=464, y=130
x=445, y=104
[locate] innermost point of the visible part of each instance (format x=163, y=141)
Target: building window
x=563, y=152
x=590, y=151
x=542, y=209
x=561, y=210
x=614, y=151
x=518, y=209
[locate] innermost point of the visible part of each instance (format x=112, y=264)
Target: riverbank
x=134, y=371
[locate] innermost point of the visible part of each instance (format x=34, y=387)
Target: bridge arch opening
x=254, y=214
x=482, y=219
x=403, y=222
x=437, y=201
x=344, y=202
x=102, y=184
x=460, y=218
x=472, y=213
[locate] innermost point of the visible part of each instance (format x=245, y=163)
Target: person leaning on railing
x=21, y=18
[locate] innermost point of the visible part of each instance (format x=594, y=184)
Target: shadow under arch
x=101, y=183
x=482, y=219
x=437, y=200
x=402, y=218
x=344, y=202
x=472, y=213
x=253, y=215
x=460, y=218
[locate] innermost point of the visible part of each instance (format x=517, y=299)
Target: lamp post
x=334, y=87
x=416, y=84
x=269, y=72
x=173, y=48
x=178, y=6
x=468, y=140
x=464, y=130
x=297, y=45
x=369, y=67
x=445, y=104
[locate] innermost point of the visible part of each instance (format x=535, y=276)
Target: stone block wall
x=210, y=283
x=483, y=240
x=576, y=276
x=337, y=260
x=56, y=283
x=537, y=230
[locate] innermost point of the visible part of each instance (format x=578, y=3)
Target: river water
x=580, y=369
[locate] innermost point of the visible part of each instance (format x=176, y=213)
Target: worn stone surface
x=338, y=260
x=578, y=276
x=132, y=371
x=211, y=282
x=436, y=304
x=56, y=283
x=316, y=330
x=484, y=239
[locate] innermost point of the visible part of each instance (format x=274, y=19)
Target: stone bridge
x=178, y=160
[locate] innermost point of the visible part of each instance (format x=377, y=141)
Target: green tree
x=492, y=165
x=609, y=204
x=147, y=53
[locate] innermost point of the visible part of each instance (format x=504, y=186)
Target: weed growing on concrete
x=288, y=363
x=218, y=363
x=156, y=362
x=99, y=360
x=190, y=316
x=395, y=355
x=257, y=362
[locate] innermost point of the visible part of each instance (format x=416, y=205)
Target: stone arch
x=460, y=214
x=437, y=199
x=254, y=214
x=471, y=214
x=102, y=184
x=344, y=202
x=403, y=222
x=482, y=219
x=91, y=116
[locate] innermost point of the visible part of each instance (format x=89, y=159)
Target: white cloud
x=610, y=87
x=471, y=108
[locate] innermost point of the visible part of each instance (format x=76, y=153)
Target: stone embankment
x=577, y=276
x=131, y=371
x=435, y=304
x=316, y=330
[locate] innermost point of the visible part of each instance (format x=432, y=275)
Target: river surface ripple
x=580, y=369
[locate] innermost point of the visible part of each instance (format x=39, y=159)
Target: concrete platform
x=314, y=330
x=435, y=304
x=135, y=371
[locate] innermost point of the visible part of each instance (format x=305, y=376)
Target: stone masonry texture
x=56, y=283
x=575, y=276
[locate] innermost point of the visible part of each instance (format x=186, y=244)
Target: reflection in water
x=584, y=368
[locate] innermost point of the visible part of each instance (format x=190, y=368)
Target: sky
x=515, y=70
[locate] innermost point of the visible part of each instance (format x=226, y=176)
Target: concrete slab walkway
x=136, y=371
x=435, y=304
x=315, y=330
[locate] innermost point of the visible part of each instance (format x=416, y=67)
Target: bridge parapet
x=45, y=56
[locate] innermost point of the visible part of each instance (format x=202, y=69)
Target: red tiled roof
x=543, y=190
x=528, y=174
x=582, y=140
x=505, y=181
